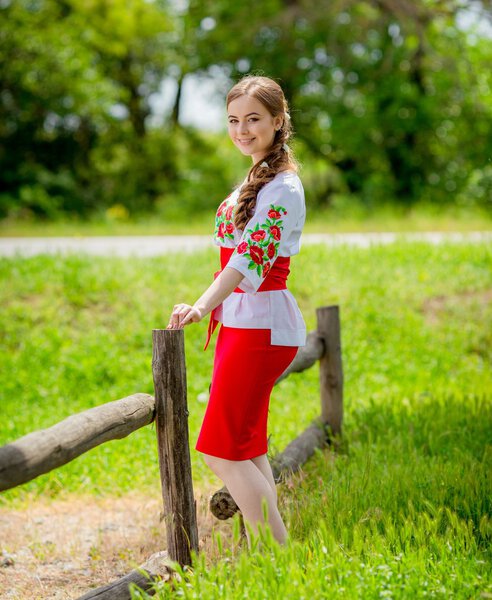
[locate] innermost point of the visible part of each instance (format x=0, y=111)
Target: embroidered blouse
x=274, y=230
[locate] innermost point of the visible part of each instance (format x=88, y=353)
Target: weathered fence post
x=330, y=368
x=169, y=372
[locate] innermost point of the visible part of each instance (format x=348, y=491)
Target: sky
x=202, y=103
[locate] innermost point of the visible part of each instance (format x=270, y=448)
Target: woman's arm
x=183, y=314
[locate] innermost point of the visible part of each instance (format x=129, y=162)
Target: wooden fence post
x=330, y=368
x=169, y=371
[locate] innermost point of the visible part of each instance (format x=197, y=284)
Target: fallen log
x=222, y=505
x=156, y=568
x=42, y=451
x=306, y=355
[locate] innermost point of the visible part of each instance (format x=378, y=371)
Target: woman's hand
x=184, y=314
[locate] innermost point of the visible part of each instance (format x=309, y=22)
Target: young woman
x=258, y=227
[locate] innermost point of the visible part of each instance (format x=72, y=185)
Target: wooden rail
x=42, y=451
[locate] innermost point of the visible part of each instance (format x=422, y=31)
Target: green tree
x=376, y=88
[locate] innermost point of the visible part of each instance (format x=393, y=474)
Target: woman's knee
x=216, y=464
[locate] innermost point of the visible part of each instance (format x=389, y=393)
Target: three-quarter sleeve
x=279, y=212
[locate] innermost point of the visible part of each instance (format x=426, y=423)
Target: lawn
x=403, y=510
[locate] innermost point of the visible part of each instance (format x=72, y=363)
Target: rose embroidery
x=221, y=207
x=224, y=226
x=275, y=231
x=261, y=243
x=243, y=246
x=259, y=235
x=256, y=254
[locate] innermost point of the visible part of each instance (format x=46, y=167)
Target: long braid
x=279, y=156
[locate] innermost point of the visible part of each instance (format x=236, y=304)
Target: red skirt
x=246, y=366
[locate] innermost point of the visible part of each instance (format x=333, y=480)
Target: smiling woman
x=258, y=228
x=253, y=131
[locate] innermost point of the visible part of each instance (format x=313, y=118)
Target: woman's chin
x=244, y=151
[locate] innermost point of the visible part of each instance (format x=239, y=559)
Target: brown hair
x=270, y=94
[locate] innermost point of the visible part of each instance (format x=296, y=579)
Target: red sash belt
x=276, y=279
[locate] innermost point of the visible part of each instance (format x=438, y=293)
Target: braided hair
x=279, y=156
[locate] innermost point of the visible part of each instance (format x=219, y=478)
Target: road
x=156, y=245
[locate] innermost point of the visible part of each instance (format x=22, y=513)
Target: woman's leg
x=263, y=464
x=248, y=486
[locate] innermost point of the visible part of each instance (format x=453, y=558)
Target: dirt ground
x=60, y=549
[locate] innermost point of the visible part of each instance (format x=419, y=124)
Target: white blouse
x=274, y=230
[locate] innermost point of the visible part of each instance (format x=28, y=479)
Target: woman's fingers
x=174, y=318
x=182, y=315
x=193, y=316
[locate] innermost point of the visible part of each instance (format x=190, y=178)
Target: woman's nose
x=243, y=127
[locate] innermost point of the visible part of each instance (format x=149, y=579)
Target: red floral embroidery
x=256, y=254
x=262, y=241
x=259, y=235
x=275, y=231
x=224, y=226
x=242, y=247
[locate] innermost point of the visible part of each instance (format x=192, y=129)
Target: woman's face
x=251, y=126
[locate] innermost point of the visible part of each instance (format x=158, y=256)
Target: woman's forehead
x=244, y=105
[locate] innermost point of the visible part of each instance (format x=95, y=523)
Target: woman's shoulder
x=285, y=182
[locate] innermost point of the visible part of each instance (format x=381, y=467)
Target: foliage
x=391, y=100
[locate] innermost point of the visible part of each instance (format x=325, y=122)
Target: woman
x=258, y=227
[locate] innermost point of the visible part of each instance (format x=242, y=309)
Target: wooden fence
x=42, y=451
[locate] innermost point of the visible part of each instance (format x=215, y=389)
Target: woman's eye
x=235, y=120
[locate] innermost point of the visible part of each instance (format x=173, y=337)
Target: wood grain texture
x=157, y=567
x=44, y=450
x=169, y=372
x=330, y=368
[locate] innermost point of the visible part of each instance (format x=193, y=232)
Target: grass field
x=402, y=511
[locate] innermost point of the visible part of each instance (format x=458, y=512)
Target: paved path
x=156, y=245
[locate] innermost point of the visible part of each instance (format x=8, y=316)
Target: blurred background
x=114, y=111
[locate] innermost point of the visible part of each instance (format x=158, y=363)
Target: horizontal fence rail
x=44, y=450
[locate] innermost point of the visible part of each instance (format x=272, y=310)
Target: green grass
x=343, y=218
x=402, y=511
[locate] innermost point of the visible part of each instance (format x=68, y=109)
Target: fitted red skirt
x=246, y=366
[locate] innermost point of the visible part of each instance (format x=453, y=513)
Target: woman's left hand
x=183, y=314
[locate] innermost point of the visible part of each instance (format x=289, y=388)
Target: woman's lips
x=246, y=142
